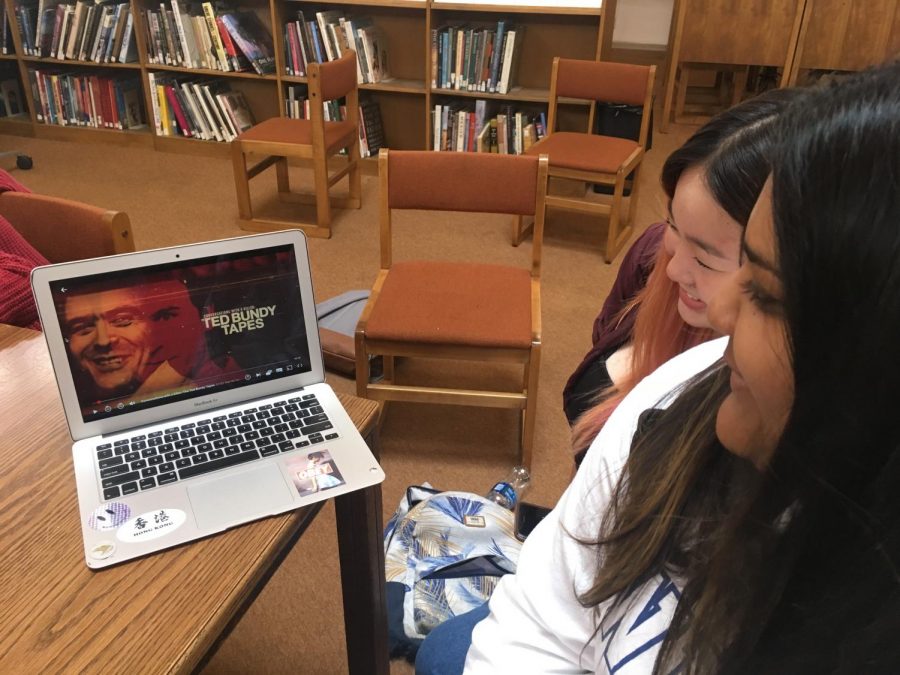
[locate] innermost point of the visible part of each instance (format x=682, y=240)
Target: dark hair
x=734, y=148
x=793, y=569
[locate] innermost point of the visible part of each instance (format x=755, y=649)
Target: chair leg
x=362, y=366
x=241, y=182
x=355, y=201
x=323, y=206
x=281, y=175
x=633, y=199
x=739, y=85
x=681, y=92
x=519, y=230
x=387, y=367
x=532, y=371
x=612, y=234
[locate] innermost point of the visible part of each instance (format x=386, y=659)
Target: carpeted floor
x=296, y=623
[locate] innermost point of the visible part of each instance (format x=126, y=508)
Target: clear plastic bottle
x=508, y=491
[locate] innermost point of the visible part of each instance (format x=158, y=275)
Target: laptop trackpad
x=236, y=499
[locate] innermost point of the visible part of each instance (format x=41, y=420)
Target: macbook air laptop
x=193, y=385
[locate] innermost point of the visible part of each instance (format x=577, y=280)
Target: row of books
x=475, y=59
x=87, y=99
x=205, y=109
x=102, y=32
x=328, y=36
x=197, y=36
x=459, y=127
x=371, y=131
x=11, y=101
x=6, y=39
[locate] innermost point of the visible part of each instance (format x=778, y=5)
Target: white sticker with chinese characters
x=151, y=525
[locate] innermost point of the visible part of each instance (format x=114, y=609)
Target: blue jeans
x=444, y=650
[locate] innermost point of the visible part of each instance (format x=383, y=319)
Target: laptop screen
x=154, y=335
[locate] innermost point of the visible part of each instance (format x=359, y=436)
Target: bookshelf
x=568, y=28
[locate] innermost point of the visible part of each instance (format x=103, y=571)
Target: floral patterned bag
x=444, y=554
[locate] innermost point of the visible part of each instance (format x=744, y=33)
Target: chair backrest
x=602, y=81
x=63, y=230
x=462, y=181
x=327, y=82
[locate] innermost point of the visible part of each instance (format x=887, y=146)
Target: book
x=323, y=19
x=238, y=110
x=370, y=119
x=510, y=57
x=210, y=15
x=185, y=37
x=253, y=39
x=235, y=56
x=495, y=55
x=128, y=53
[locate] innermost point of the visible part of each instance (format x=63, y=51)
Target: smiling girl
x=657, y=306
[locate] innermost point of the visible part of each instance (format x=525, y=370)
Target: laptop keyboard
x=145, y=461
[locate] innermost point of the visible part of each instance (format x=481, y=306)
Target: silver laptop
x=193, y=385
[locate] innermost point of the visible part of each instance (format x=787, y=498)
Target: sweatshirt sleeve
x=536, y=623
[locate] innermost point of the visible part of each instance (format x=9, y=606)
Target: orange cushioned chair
x=310, y=139
x=591, y=158
x=63, y=230
x=456, y=310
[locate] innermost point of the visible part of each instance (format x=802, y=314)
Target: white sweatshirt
x=536, y=624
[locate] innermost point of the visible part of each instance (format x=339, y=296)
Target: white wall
x=644, y=22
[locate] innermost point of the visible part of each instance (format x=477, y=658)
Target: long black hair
x=793, y=569
x=836, y=212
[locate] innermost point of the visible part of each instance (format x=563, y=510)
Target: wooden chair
x=592, y=158
x=63, y=230
x=309, y=139
x=456, y=310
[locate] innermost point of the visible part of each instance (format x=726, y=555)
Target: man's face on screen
x=109, y=336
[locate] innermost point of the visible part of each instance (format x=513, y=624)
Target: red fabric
x=454, y=303
x=584, y=152
x=17, y=259
x=10, y=184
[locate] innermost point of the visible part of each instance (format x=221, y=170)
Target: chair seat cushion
x=454, y=303
x=284, y=130
x=584, y=152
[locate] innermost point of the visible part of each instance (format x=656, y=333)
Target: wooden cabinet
x=405, y=100
x=847, y=35
x=791, y=35
x=727, y=36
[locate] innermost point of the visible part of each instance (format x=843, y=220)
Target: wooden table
x=162, y=613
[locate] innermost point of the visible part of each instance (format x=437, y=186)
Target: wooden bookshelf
x=405, y=99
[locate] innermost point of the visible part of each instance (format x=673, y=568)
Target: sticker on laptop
x=109, y=516
x=102, y=550
x=151, y=525
x=314, y=472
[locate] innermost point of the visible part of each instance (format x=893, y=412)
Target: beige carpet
x=296, y=624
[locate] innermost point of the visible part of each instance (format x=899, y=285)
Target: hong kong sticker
x=151, y=525
x=109, y=516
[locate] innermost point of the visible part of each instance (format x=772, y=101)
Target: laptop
x=193, y=384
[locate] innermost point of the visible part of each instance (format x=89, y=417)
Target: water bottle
x=507, y=492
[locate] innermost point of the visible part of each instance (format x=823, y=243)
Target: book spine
x=182, y=37
x=180, y=115
x=230, y=49
x=508, y=56
x=495, y=57
x=210, y=15
x=128, y=37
